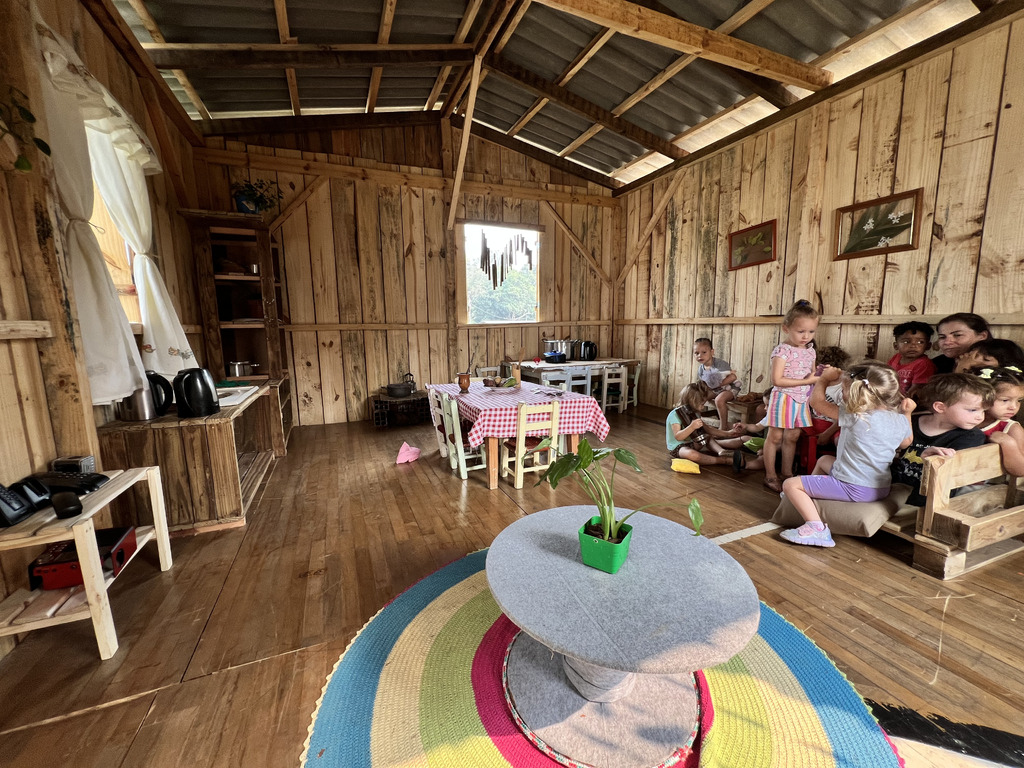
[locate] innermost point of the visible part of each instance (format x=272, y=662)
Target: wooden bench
x=953, y=536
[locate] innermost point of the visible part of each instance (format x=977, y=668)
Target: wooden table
x=532, y=371
x=60, y=606
x=493, y=413
x=599, y=650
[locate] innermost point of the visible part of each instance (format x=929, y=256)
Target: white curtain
x=111, y=356
x=122, y=183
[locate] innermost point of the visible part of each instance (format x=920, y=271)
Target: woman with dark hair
x=956, y=333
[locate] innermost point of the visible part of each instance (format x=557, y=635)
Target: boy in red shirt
x=911, y=363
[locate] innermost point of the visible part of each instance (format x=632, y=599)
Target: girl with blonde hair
x=688, y=437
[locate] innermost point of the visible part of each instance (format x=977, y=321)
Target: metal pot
x=236, y=370
x=403, y=388
x=559, y=345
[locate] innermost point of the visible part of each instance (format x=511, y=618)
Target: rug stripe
x=401, y=679
x=452, y=732
x=343, y=739
x=739, y=708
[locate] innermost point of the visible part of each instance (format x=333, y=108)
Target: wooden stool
x=747, y=411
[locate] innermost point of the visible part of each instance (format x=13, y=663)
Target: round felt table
x=626, y=644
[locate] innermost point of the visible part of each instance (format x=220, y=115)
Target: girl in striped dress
x=792, y=379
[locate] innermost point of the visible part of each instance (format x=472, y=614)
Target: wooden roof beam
x=581, y=106
x=285, y=35
x=589, y=51
x=302, y=55
x=674, y=33
x=727, y=27
x=460, y=37
x=464, y=144
x=484, y=40
x=387, y=18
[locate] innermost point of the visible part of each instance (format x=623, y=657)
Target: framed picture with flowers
x=886, y=225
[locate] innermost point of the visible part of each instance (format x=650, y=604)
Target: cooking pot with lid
x=559, y=345
x=403, y=388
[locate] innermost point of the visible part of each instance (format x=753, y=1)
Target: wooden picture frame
x=752, y=246
x=884, y=225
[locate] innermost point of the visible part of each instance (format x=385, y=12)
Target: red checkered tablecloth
x=493, y=410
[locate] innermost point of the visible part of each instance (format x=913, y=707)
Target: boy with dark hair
x=912, y=341
x=957, y=403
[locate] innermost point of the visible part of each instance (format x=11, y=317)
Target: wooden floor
x=223, y=657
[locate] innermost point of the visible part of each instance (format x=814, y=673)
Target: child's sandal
x=739, y=462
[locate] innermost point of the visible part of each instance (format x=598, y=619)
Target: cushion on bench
x=849, y=518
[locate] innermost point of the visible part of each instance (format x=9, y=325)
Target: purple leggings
x=828, y=487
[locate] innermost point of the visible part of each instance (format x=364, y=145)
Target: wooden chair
x=953, y=536
x=460, y=455
x=634, y=388
x=515, y=451
x=555, y=379
x=437, y=417
x=579, y=378
x=613, y=387
x=487, y=371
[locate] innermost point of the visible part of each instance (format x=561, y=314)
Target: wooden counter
x=210, y=466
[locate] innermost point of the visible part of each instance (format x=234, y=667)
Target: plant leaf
x=27, y=116
x=627, y=458
x=22, y=164
x=696, y=516
x=586, y=453
x=43, y=146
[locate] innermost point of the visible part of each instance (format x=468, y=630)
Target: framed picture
x=885, y=225
x=752, y=246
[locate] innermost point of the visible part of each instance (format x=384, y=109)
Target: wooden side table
x=746, y=411
x=47, y=608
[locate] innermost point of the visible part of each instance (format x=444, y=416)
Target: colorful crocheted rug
x=420, y=685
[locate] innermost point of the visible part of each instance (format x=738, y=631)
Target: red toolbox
x=58, y=566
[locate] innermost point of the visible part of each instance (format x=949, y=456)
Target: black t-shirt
x=907, y=469
x=944, y=364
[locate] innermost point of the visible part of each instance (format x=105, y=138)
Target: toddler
x=911, y=341
x=718, y=375
x=956, y=403
x=999, y=426
x=875, y=423
x=823, y=430
x=990, y=353
x=688, y=437
x=792, y=378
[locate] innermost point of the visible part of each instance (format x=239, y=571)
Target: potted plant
x=16, y=130
x=604, y=539
x=255, y=196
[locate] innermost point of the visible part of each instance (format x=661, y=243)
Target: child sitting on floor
x=875, y=423
x=956, y=404
x=999, y=426
x=718, y=375
x=912, y=341
x=688, y=437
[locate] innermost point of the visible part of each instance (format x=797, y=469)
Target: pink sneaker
x=807, y=535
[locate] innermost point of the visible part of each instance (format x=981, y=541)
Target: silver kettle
x=146, y=404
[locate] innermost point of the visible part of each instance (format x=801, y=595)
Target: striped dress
x=787, y=406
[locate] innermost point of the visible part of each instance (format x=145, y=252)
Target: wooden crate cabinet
x=211, y=467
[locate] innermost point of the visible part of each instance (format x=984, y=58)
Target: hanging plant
x=16, y=131
x=255, y=196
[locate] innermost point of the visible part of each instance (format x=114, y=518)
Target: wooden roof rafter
x=730, y=25
x=284, y=33
x=500, y=11
x=472, y=9
x=387, y=18
x=672, y=32
x=139, y=6
x=303, y=55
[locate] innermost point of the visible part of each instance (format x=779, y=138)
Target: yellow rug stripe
x=398, y=700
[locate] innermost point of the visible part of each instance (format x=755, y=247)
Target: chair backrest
x=485, y=371
x=613, y=387
x=616, y=375
x=634, y=396
x=555, y=379
x=436, y=414
x=578, y=376
x=547, y=424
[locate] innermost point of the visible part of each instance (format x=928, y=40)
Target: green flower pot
x=601, y=554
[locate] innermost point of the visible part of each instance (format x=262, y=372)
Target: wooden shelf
x=232, y=326
x=254, y=377
x=234, y=277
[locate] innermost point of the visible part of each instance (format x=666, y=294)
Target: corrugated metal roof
x=545, y=42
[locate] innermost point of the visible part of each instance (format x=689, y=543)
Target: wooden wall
x=44, y=394
x=371, y=269
x=951, y=123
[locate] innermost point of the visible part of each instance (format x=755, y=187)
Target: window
x=117, y=256
x=501, y=273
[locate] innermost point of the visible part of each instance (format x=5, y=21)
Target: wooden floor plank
x=259, y=615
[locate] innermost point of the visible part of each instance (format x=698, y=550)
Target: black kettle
x=195, y=393
x=588, y=350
